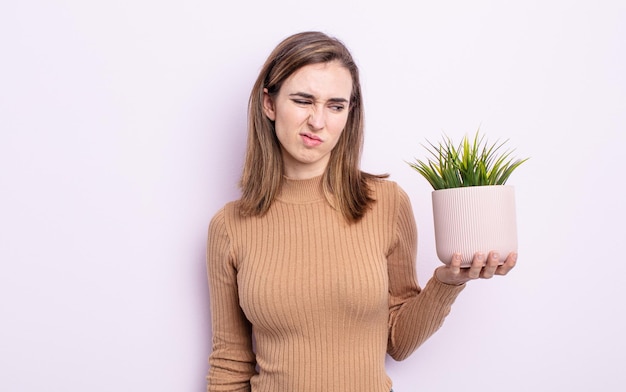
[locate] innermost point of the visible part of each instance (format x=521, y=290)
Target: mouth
x=311, y=137
x=311, y=140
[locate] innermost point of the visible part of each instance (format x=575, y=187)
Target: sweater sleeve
x=414, y=313
x=232, y=360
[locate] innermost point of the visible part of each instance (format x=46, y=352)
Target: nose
x=317, y=119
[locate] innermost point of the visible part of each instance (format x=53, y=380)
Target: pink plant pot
x=474, y=219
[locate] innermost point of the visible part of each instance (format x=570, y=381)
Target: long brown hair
x=263, y=167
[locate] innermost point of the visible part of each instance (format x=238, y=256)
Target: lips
x=311, y=140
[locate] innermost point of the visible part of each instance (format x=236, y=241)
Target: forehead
x=323, y=80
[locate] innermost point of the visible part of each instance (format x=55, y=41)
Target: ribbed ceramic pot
x=474, y=219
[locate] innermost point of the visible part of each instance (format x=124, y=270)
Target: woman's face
x=309, y=112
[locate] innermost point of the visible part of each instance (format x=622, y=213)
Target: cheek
x=336, y=135
x=280, y=128
x=286, y=130
x=290, y=120
x=336, y=125
x=281, y=135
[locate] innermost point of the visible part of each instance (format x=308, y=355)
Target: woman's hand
x=480, y=269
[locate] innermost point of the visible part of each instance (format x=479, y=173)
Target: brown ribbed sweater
x=323, y=300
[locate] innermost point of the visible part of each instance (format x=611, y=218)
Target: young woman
x=312, y=272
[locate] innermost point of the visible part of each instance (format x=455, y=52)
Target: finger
x=451, y=273
x=508, y=265
x=493, y=260
x=478, y=262
x=455, y=263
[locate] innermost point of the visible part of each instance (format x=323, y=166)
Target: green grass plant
x=474, y=162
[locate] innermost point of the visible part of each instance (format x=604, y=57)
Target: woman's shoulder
x=226, y=214
x=384, y=187
x=389, y=195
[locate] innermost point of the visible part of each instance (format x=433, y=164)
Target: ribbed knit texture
x=324, y=299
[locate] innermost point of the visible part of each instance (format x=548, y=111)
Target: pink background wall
x=122, y=129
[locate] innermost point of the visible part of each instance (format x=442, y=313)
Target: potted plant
x=473, y=209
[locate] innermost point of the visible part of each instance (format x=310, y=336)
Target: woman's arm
x=232, y=361
x=414, y=313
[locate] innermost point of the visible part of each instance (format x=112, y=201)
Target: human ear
x=268, y=105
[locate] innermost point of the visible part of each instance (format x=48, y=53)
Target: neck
x=296, y=170
x=297, y=190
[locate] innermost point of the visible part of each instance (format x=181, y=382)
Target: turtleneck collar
x=301, y=191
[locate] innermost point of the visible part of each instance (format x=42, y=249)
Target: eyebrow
x=311, y=96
